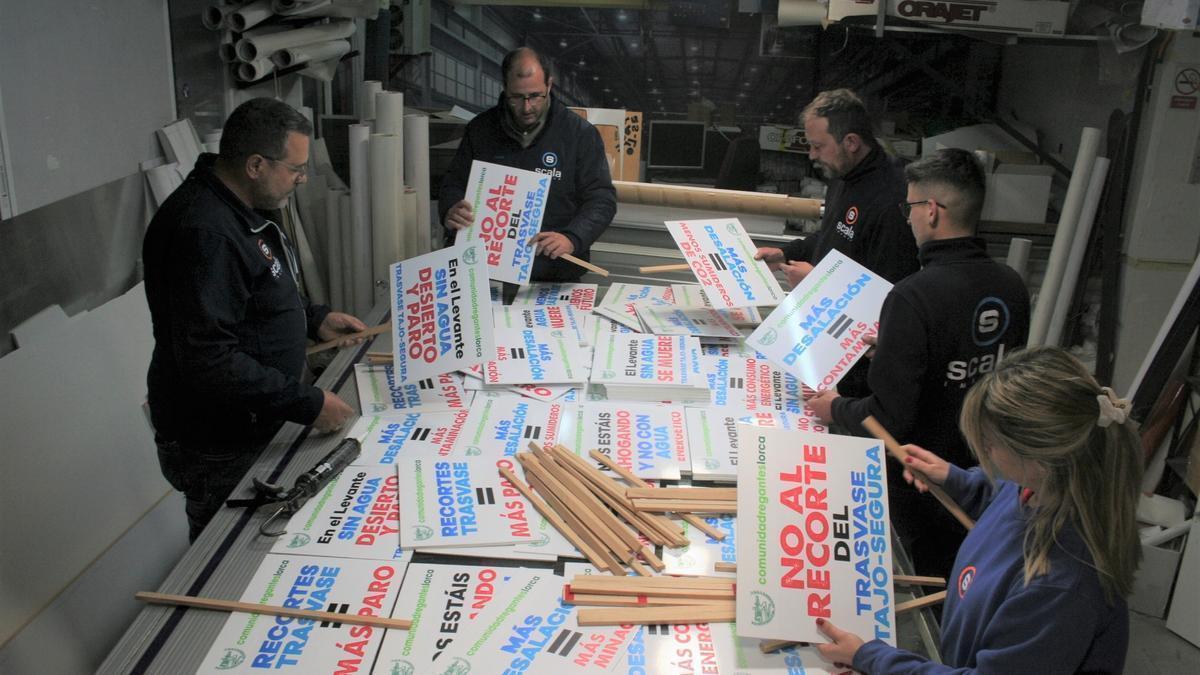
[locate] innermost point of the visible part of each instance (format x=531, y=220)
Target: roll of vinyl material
x=346, y=206
x=263, y=46
x=360, y=222
x=255, y=70
x=246, y=17
x=389, y=113
x=416, y=174
x=1018, y=256
x=317, y=51
x=387, y=216
x=333, y=248
x=1083, y=231
x=370, y=89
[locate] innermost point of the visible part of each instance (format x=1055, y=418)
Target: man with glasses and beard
x=865, y=184
x=229, y=320
x=530, y=129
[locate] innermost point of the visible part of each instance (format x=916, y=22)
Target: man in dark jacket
x=865, y=185
x=229, y=321
x=529, y=129
x=940, y=330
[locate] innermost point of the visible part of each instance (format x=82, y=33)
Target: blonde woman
x=1039, y=585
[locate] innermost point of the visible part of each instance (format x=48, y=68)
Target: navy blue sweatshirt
x=229, y=321
x=582, y=199
x=992, y=621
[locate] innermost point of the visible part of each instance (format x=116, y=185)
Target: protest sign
x=379, y=392
x=508, y=204
x=721, y=256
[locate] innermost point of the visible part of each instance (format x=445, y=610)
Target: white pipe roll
x=370, y=89
x=1018, y=256
x=317, y=51
x=255, y=70
x=389, y=113
x=1089, y=144
x=1087, y=217
x=333, y=236
x=408, y=207
x=346, y=206
x=416, y=174
x=213, y=16
x=249, y=16
x=228, y=50
x=360, y=222
x=387, y=218
x=263, y=46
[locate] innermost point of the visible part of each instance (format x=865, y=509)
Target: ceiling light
x=562, y=43
x=634, y=44
x=621, y=15
x=595, y=77
x=582, y=63
x=606, y=90
x=694, y=48
x=537, y=16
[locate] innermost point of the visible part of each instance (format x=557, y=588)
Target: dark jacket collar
x=205, y=172
x=949, y=250
x=874, y=160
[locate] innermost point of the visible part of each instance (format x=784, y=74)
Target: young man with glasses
x=229, y=320
x=530, y=129
x=940, y=330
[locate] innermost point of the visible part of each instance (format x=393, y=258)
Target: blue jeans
x=205, y=473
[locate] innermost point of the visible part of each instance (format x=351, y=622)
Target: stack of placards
x=705, y=323
x=536, y=356
x=580, y=296
x=378, y=391
x=620, y=302
x=386, y=437
x=508, y=204
x=649, y=440
x=549, y=317
x=702, y=553
x=752, y=384
x=817, y=332
x=721, y=255
x=692, y=295
x=821, y=548
x=650, y=368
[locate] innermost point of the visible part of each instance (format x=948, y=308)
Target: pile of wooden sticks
x=683, y=499
x=607, y=600
x=593, y=512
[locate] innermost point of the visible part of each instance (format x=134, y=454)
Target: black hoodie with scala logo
x=229, y=321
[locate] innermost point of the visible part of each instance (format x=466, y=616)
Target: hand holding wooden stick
x=876, y=429
x=584, y=264
x=341, y=339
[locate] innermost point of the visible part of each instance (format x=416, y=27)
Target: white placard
x=502, y=426
x=548, y=317
x=384, y=438
x=441, y=317
x=619, y=299
x=378, y=391
x=703, y=552
x=721, y=256
x=821, y=546
x=253, y=643
x=508, y=204
x=356, y=515
x=652, y=360
x=703, y=322
x=648, y=439
x=817, y=333
x=535, y=356
x=580, y=296
x=749, y=385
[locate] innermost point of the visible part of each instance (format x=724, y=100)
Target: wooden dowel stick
x=710, y=494
x=918, y=603
x=593, y=600
x=619, y=616
x=271, y=610
x=370, y=332
x=664, y=581
x=683, y=506
x=548, y=513
x=379, y=355
x=909, y=580
x=646, y=527
x=673, y=267
x=621, y=471
x=604, y=559
x=768, y=646
x=876, y=429
x=640, y=568
x=724, y=567
x=652, y=559
x=584, y=264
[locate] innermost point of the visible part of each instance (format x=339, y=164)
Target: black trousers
x=205, y=473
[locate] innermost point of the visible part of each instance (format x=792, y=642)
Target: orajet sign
x=1043, y=17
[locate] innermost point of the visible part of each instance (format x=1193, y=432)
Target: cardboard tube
x=408, y=210
x=249, y=16
x=416, y=174
x=1039, y=326
x=333, y=232
x=263, y=46
x=1083, y=231
x=1018, y=256
x=213, y=16
x=387, y=221
x=711, y=199
x=370, y=88
x=346, y=209
x=360, y=226
x=389, y=113
x=255, y=70
x=317, y=51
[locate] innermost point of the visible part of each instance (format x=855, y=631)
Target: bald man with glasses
x=530, y=129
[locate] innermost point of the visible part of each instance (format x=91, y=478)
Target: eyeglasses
x=300, y=171
x=907, y=207
x=520, y=99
